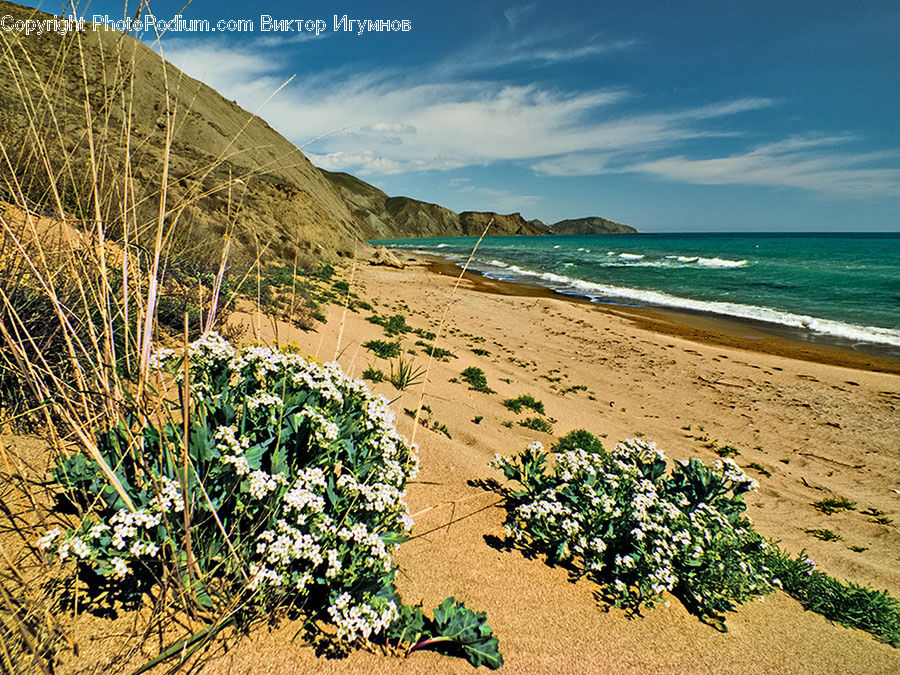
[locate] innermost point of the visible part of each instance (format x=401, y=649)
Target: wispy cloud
x=479, y=197
x=397, y=122
x=514, y=15
x=808, y=163
x=443, y=117
x=544, y=49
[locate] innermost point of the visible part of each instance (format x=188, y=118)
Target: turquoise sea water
x=842, y=288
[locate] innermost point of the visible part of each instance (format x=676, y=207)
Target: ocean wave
x=607, y=292
x=720, y=262
x=631, y=256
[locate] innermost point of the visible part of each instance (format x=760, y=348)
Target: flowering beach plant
x=290, y=491
x=637, y=530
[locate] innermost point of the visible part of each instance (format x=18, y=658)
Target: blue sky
x=669, y=116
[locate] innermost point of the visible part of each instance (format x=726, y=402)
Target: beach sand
x=819, y=427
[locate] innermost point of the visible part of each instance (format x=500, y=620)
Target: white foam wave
x=442, y=246
x=631, y=256
x=720, y=262
x=601, y=292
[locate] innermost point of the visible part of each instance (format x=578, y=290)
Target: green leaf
x=468, y=631
x=409, y=626
x=254, y=456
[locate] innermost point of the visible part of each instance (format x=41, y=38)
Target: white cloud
x=439, y=118
x=395, y=122
x=805, y=162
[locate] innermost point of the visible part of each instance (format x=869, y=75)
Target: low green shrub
x=727, y=451
x=524, y=401
x=580, y=439
x=373, y=375
x=832, y=505
x=537, y=424
x=294, y=483
x=621, y=521
x=475, y=378
x=385, y=350
x=848, y=604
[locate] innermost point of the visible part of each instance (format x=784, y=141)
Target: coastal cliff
x=385, y=217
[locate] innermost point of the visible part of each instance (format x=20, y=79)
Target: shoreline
x=703, y=328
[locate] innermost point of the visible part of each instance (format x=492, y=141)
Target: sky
x=668, y=116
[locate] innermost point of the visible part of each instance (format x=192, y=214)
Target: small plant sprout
x=825, y=535
x=833, y=505
x=405, y=374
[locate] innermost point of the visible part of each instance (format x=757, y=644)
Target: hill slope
x=397, y=217
x=277, y=196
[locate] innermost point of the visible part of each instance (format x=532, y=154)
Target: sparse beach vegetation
x=383, y=349
x=475, y=378
x=833, y=505
x=537, y=424
x=524, y=401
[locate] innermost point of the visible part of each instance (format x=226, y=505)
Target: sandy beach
x=818, y=428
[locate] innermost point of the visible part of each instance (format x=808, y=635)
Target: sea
x=836, y=288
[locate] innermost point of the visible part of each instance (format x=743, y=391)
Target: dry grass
x=97, y=237
x=87, y=253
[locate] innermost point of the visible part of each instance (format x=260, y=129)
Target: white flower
x=79, y=548
x=47, y=540
x=120, y=568
x=262, y=484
